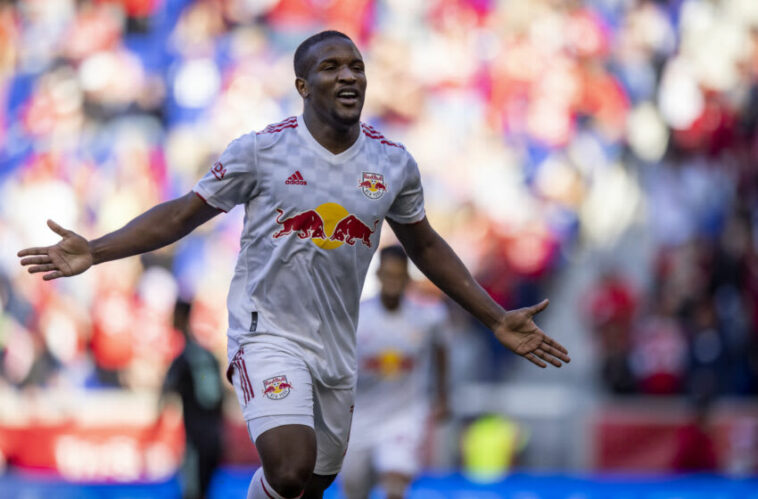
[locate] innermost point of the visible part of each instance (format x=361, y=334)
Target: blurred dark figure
x=695, y=447
x=610, y=307
x=195, y=377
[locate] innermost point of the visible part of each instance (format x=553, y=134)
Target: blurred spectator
x=611, y=307
x=658, y=349
x=195, y=377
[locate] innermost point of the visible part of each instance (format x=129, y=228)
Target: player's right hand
x=71, y=256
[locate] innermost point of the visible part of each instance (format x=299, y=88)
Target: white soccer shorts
x=275, y=388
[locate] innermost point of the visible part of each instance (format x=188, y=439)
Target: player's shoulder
x=275, y=132
x=395, y=151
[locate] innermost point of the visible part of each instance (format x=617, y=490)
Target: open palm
x=71, y=256
x=518, y=332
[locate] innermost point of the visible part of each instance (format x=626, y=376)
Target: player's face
x=393, y=277
x=335, y=85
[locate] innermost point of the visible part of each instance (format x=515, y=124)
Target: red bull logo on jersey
x=389, y=364
x=306, y=224
x=328, y=226
x=276, y=388
x=372, y=185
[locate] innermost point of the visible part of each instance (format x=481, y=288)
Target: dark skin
x=335, y=65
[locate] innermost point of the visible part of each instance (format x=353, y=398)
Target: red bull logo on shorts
x=276, y=388
x=372, y=185
x=328, y=226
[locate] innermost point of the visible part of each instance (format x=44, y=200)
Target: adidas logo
x=296, y=179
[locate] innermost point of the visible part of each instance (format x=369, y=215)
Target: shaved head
x=302, y=62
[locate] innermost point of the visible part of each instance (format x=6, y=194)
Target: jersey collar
x=322, y=151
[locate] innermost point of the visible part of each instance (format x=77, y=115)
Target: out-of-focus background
x=602, y=153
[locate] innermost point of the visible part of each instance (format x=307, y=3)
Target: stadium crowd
x=542, y=128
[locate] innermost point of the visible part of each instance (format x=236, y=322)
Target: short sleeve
x=232, y=179
x=408, y=206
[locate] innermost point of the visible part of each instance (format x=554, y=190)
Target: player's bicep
x=198, y=210
x=414, y=237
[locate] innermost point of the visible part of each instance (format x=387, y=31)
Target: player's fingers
x=42, y=268
x=32, y=251
x=550, y=341
x=555, y=352
x=52, y=275
x=535, y=360
x=536, y=309
x=548, y=358
x=57, y=228
x=35, y=260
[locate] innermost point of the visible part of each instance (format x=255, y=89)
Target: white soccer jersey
x=394, y=362
x=312, y=223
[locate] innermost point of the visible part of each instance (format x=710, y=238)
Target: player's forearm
x=437, y=260
x=154, y=229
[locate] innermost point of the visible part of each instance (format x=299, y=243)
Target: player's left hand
x=518, y=332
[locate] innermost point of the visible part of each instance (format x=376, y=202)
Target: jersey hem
x=408, y=220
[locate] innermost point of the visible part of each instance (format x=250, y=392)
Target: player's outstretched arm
x=514, y=328
x=159, y=226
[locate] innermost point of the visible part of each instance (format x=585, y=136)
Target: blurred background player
x=398, y=340
x=195, y=377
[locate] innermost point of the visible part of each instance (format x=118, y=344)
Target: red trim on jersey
x=290, y=122
x=264, y=489
x=206, y=201
x=372, y=133
x=269, y=494
x=284, y=124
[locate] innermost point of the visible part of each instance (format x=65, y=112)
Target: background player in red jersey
x=319, y=280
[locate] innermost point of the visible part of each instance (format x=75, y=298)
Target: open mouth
x=347, y=97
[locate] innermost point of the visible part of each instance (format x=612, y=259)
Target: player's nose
x=345, y=74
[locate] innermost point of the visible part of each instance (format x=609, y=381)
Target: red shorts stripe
x=244, y=377
x=245, y=396
x=245, y=391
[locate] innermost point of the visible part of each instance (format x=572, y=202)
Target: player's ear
x=302, y=87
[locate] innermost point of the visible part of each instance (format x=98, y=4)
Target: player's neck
x=390, y=303
x=334, y=138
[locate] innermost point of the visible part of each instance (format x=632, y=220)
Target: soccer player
x=398, y=341
x=316, y=188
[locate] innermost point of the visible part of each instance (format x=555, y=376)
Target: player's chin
x=349, y=115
